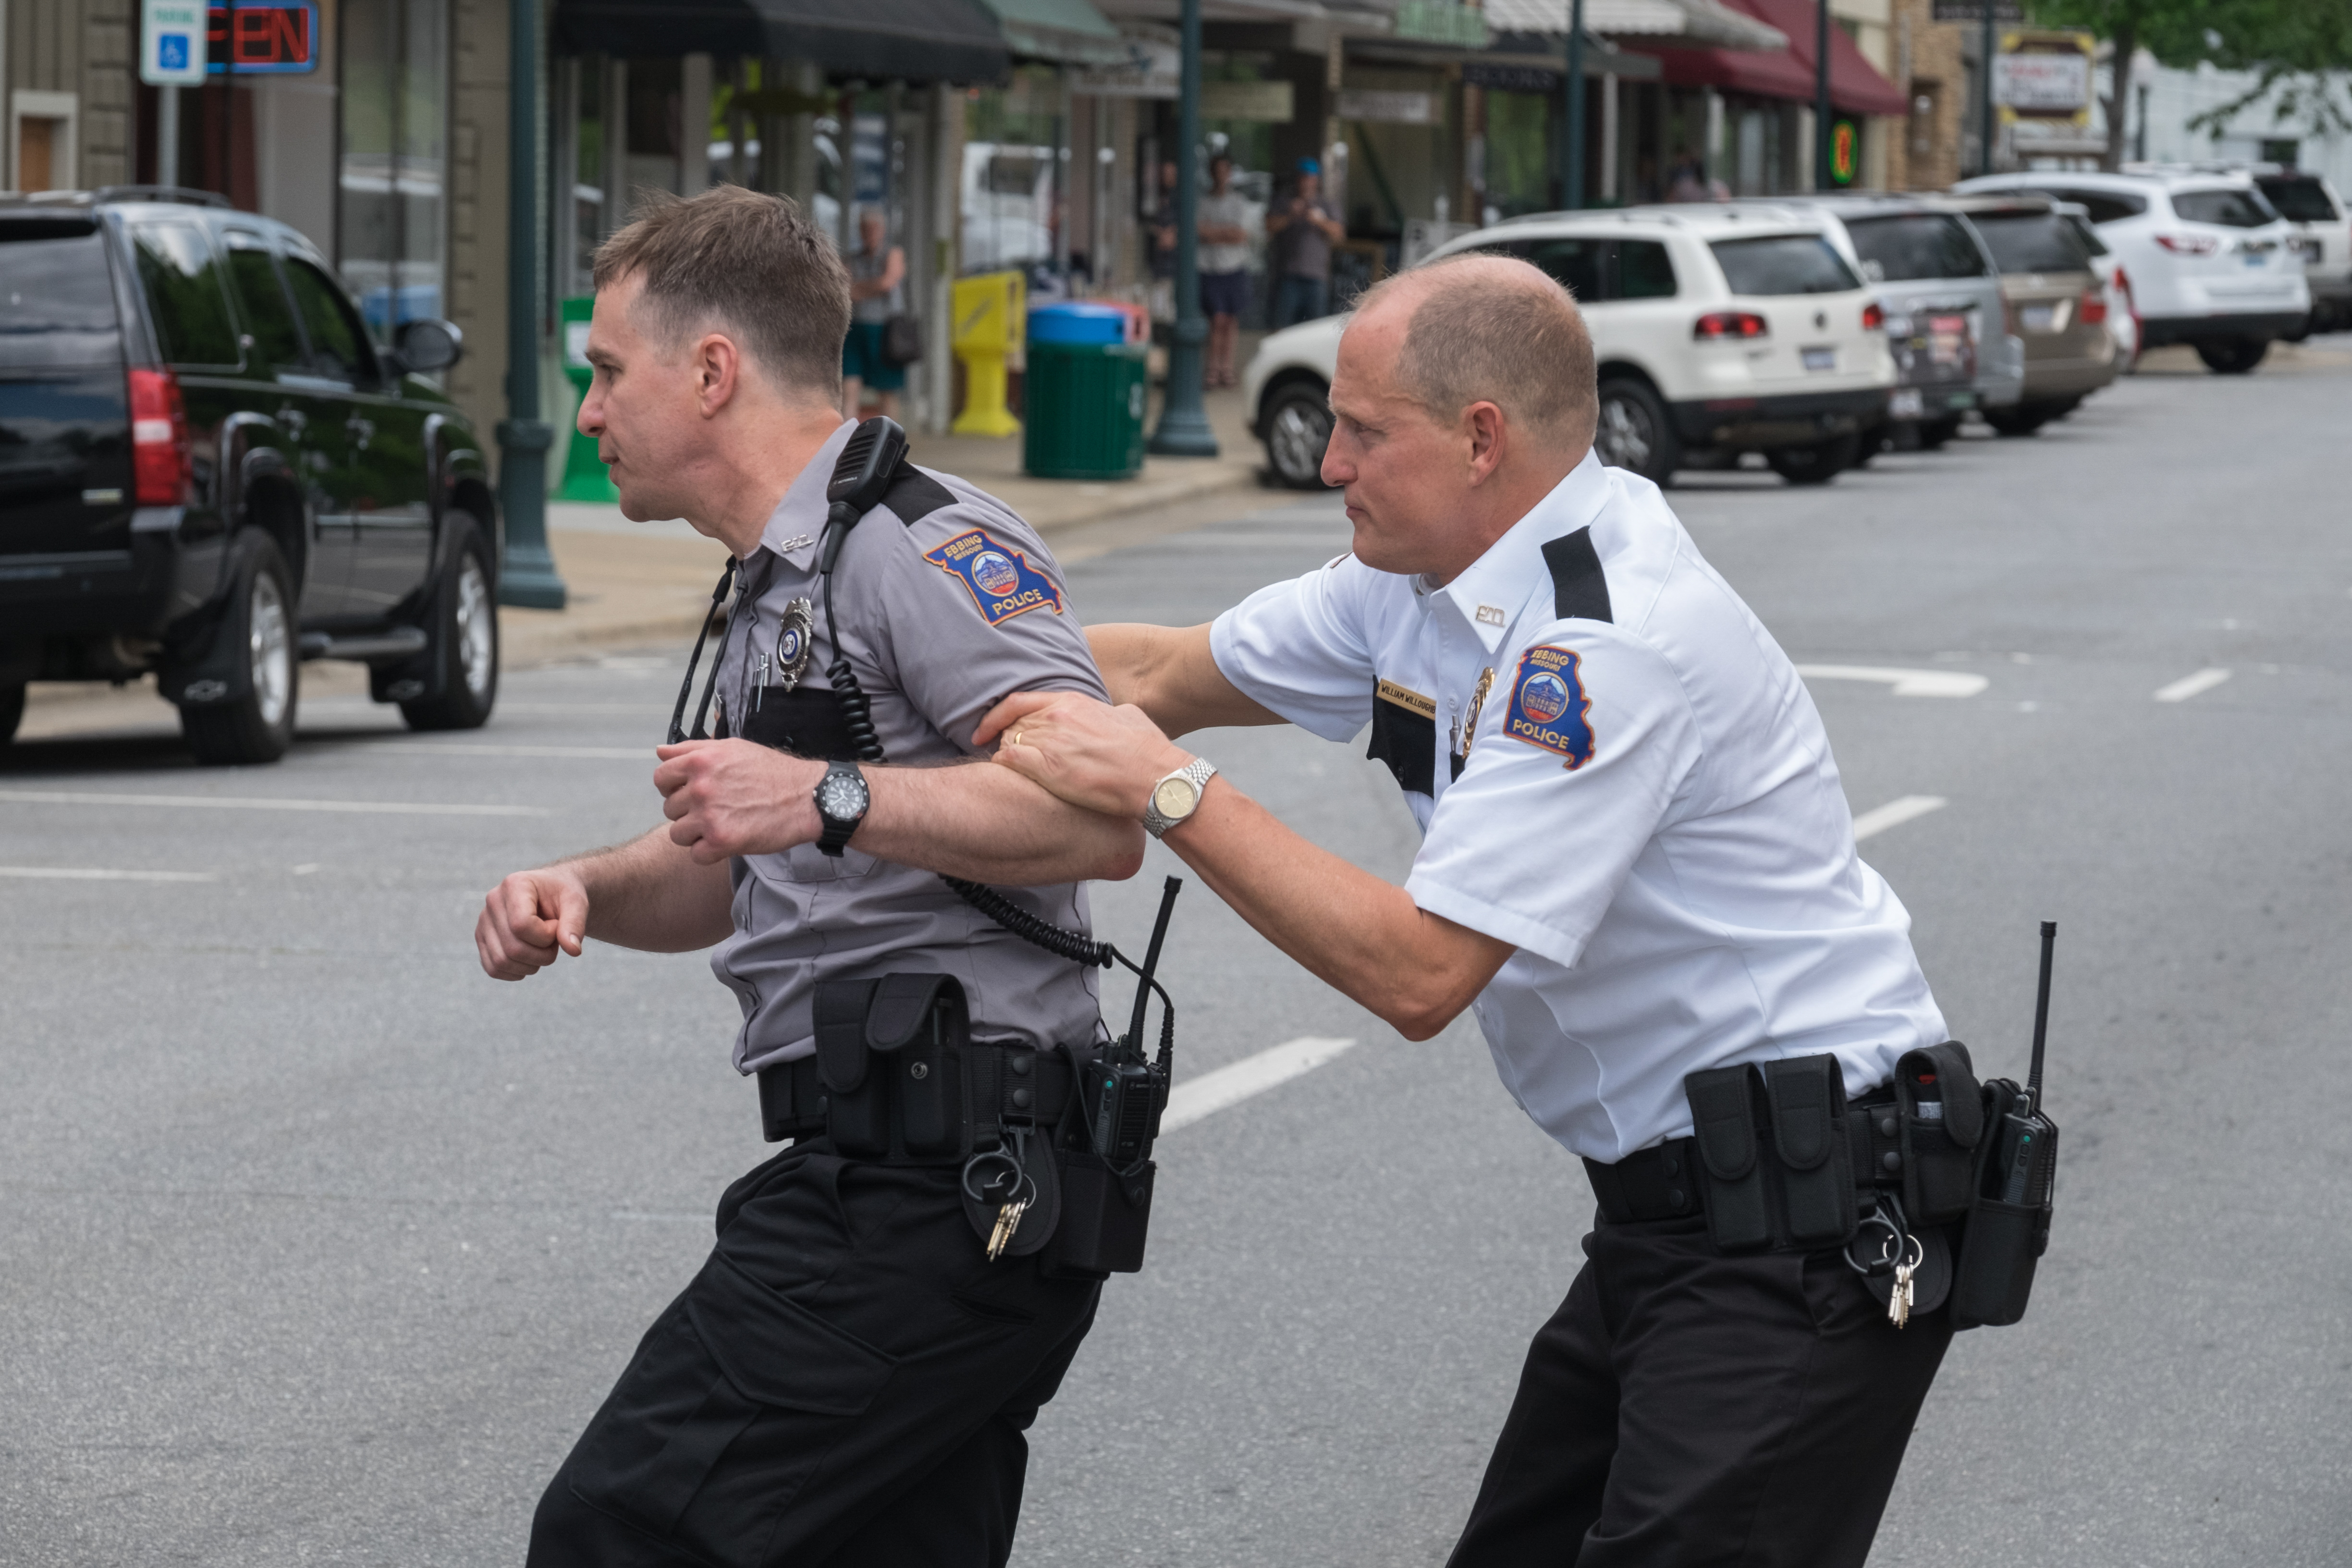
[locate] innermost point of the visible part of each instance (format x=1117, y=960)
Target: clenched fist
x=529, y=920
x=734, y=797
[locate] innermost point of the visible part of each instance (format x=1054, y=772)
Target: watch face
x=841, y=795
x=1174, y=798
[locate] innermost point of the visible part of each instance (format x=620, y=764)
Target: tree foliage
x=2298, y=51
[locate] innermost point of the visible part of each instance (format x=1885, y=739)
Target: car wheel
x=1816, y=464
x=1297, y=429
x=1934, y=434
x=2233, y=356
x=1633, y=432
x=259, y=726
x=466, y=630
x=2310, y=324
x=12, y=711
x=2022, y=419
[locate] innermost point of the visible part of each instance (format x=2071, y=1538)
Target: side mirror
x=427, y=344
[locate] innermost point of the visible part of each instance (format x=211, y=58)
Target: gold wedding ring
x=1016, y=737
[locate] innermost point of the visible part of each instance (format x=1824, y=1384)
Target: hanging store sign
x=1441, y=22
x=279, y=38
x=2045, y=78
x=1150, y=70
x=1387, y=108
x=1510, y=78
x=172, y=43
x=1265, y=102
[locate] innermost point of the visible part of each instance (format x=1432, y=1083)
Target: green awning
x=1071, y=32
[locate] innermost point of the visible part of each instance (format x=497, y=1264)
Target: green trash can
x=1083, y=400
x=585, y=477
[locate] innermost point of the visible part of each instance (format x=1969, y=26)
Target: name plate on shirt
x=1406, y=697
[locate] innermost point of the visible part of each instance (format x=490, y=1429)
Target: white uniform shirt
x=1648, y=811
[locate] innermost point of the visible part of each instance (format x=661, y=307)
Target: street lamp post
x=1824, y=155
x=1571, y=141
x=1184, y=424
x=527, y=576
x=1984, y=93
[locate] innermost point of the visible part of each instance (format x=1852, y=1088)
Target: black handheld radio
x=2027, y=1155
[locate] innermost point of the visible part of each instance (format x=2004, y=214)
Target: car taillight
x=1716, y=325
x=162, y=467
x=2189, y=244
x=2092, y=307
x=1873, y=317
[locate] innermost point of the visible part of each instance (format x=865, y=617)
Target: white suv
x=1717, y=330
x=2210, y=262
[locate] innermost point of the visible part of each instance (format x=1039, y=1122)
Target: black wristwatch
x=841, y=798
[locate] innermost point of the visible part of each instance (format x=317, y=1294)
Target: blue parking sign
x=171, y=51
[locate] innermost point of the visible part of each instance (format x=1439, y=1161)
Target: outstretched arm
x=647, y=894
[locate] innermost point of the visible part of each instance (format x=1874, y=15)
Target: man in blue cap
x=1301, y=232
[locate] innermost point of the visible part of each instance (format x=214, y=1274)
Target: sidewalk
x=632, y=583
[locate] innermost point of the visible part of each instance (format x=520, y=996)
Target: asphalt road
x=316, y=1247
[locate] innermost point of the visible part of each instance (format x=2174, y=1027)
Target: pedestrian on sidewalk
x=1224, y=219
x=847, y=1380
x=877, y=291
x=1300, y=233
x=1637, y=867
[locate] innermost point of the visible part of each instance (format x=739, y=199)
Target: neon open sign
x=276, y=39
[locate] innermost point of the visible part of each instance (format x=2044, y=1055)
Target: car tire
x=12, y=711
x=1297, y=427
x=1936, y=433
x=259, y=726
x=465, y=633
x=2310, y=323
x=2233, y=356
x=1816, y=464
x=2019, y=419
x=1634, y=432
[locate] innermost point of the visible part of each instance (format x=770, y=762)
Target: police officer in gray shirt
x=849, y=1378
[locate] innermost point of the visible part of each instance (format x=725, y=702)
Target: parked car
x=2057, y=302
x=1941, y=295
x=2211, y=263
x=2122, y=317
x=1717, y=331
x=2323, y=231
x=209, y=471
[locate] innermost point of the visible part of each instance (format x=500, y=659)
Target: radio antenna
x=1152, y=962
x=2041, y=1014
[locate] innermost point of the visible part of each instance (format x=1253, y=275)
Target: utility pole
x=1571, y=141
x=1824, y=152
x=527, y=576
x=1184, y=424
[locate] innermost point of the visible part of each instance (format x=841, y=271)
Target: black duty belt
x=1010, y=1085
x=1662, y=1182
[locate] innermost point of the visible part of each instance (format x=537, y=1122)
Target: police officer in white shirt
x=1637, y=865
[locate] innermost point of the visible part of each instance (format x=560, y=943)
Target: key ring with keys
x=1020, y=1178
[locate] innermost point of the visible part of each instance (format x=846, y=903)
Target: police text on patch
x=1549, y=707
x=1001, y=581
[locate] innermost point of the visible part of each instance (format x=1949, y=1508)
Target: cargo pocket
x=736, y=1397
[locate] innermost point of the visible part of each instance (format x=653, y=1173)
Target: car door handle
x=361, y=431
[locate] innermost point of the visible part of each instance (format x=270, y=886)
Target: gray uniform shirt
x=949, y=602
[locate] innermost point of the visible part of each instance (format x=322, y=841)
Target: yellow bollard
x=991, y=313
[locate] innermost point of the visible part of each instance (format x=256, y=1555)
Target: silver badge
x=794, y=640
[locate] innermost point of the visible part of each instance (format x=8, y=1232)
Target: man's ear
x=718, y=368
x=1489, y=434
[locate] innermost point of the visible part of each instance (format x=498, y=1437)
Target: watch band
x=1197, y=773
x=837, y=830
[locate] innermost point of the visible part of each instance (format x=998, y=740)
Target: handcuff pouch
x=857, y=1101
x=1939, y=1152
x=1723, y=1124
x=918, y=1024
x=1807, y=1100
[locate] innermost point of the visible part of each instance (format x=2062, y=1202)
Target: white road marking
x=1905, y=682
x=96, y=874
x=1895, y=813
x=2189, y=686
x=261, y=803
x=1213, y=1092
x=644, y=753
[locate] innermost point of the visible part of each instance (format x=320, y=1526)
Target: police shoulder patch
x=1001, y=581
x=1549, y=705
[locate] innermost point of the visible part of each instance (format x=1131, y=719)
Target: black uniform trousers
x=1685, y=1407
x=846, y=1381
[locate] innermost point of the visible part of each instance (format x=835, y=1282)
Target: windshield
x=2034, y=242
x=2301, y=197
x=57, y=298
x=2231, y=209
x=1924, y=244
x=1784, y=264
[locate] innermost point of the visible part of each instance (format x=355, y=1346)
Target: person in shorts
x=1224, y=268
x=877, y=288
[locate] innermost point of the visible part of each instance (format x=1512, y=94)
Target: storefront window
x=1520, y=153
x=392, y=224
x=1010, y=157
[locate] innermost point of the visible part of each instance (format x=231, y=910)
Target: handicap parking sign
x=171, y=51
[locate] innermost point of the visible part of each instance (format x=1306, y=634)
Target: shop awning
x=1693, y=22
x=1855, y=87
x=879, y=40
x=1070, y=31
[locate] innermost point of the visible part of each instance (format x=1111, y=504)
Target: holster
x=2003, y=1241
x=1775, y=1166
x=1939, y=1153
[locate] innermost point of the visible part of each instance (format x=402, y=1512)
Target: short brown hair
x=746, y=263
x=1493, y=329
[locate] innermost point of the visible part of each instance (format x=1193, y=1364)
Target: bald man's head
x=1491, y=329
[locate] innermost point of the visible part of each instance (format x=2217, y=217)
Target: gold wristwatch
x=1175, y=798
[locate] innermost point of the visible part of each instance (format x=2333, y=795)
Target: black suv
x=210, y=470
